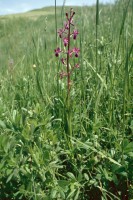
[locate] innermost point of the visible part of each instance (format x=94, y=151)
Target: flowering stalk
x=66, y=34
x=68, y=50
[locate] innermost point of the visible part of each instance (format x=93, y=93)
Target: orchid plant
x=66, y=34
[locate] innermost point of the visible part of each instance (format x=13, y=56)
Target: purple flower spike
x=75, y=33
x=67, y=33
x=57, y=51
x=76, y=51
x=65, y=40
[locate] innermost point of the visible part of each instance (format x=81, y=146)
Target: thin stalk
x=68, y=70
x=122, y=26
x=68, y=84
x=97, y=23
x=56, y=22
x=56, y=45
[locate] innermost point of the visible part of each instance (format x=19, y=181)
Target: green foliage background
x=37, y=159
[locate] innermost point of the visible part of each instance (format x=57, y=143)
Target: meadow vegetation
x=39, y=158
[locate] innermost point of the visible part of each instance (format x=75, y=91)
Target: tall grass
x=36, y=162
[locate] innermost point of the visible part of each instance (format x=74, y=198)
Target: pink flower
x=71, y=21
x=66, y=25
x=70, y=52
x=67, y=16
x=62, y=74
x=75, y=33
x=57, y=51
x=77, y=65
x=60, y=32
x=76, y=51
x=65, y=40
x=63, y=61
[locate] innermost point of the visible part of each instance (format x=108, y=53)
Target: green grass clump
x=36, y=158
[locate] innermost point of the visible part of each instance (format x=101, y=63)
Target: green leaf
x=121, y=171
x=53, y=193
x=130, y=154
x=79, y=177
x=129, y=148
x=115, y=179
x=71, y=194
x=124, y=143
x=98, y=176
x=2, y=124
x=86, y=176
x=70, y=175
x=63, y=184
x=62, y=194
x=10, y=177
x=77, y=195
